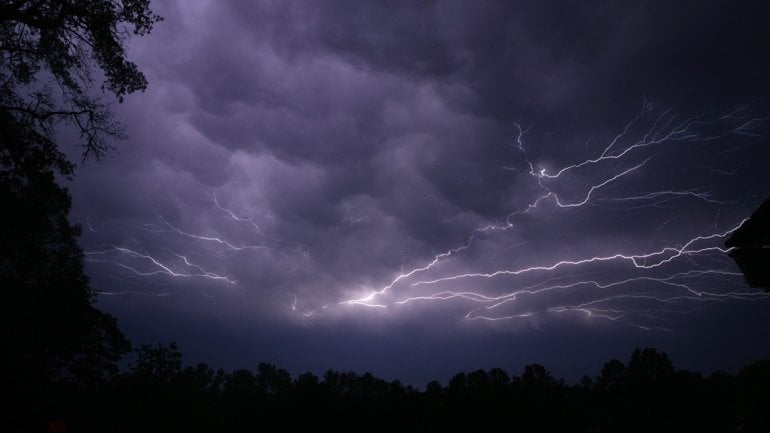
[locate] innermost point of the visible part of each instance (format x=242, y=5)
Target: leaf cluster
x=50, y=52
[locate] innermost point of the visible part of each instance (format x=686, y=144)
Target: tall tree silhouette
x=50, y=52
x=50, y=330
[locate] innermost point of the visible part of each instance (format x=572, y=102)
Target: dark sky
x=416, y=188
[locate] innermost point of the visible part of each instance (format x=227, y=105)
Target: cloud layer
x=379, y=168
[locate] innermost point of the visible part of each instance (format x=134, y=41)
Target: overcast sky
x=416, y=188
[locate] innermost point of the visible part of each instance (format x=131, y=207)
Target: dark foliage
x=53, y=337
x=57, y=346
x=157, y=394
x=50, y=51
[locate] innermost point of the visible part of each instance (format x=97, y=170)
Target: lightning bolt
x=251, y=221
x=669, y=292
x=167, y=227
x=644, y=286
x=173, y=265
x=298, y=249
x=90, y=227
x=155, y=265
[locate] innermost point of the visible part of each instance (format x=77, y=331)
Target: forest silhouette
x=60, y=362
x=646, y=394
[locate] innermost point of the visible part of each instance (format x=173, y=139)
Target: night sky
x=417, y=188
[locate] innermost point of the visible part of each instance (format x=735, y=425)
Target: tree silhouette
x=156, y=394
x=612, y=376
x=648, y=366
x=48, y=50
x=648, y=381
x=48, y=324
x=56, y=343
x=272, y=381
x=754, y=385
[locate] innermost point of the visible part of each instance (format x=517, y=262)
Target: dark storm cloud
x=310, y=152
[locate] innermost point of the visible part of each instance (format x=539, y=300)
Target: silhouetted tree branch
x=49, y=54
x=57, y=346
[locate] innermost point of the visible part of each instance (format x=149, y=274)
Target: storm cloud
x=358, y=184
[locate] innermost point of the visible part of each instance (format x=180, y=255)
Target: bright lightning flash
x=640, y=286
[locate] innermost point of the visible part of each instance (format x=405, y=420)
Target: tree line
x=646, y=394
